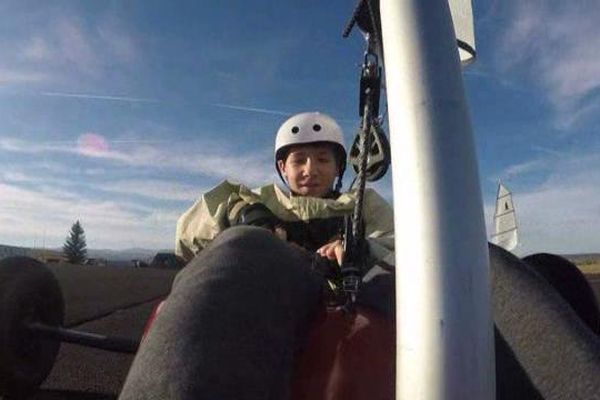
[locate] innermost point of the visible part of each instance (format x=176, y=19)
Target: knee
x=249, y=253
x=244, y=235
x=501, y=259
x=251, y=263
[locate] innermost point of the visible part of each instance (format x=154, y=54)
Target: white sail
x=505, y=220
x=462, y=18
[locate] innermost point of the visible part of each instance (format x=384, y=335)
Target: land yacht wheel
x=29, y=293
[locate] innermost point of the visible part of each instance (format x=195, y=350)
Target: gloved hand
x=334, y=251
x=258, y=214
x=329, y=269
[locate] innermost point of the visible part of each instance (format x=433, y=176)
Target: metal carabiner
x=370, y=82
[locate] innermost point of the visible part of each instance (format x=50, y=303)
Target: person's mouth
x=310, y=185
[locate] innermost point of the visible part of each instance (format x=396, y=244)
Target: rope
x=361, y=177
x=353, y=19
x=354, y=238
x=352, y=268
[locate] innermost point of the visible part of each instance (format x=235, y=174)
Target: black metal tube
x=110, y=343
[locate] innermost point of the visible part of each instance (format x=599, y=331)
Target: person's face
x=310, y=169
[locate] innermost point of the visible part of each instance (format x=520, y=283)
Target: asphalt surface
x=111, y=302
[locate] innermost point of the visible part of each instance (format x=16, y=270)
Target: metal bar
x=503, y=232
x=444, y=326
x=503, y=214
x=110, y=343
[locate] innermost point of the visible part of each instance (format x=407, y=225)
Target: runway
x=112, y=302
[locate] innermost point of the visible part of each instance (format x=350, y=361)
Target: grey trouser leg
x=540, y=333
x=231, y=325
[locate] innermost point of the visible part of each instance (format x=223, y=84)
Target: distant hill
x=124, y=255
x=106, y=254
x=585, y=258
x=8, y=251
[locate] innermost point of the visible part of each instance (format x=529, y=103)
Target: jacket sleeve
x=212, y=213
x=379, y=229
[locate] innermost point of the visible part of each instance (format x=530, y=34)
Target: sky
x=120, y=114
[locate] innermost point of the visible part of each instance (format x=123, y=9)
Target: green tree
x=75, y=248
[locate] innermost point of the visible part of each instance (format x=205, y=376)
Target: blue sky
x=121, y=114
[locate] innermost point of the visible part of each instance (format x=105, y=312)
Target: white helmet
x=310, y=127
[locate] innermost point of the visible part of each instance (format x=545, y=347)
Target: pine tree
x=75, y=248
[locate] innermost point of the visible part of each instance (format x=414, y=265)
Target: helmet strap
x=338, y=184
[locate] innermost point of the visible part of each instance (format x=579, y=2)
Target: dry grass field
x=589, y=267
x=588, y=263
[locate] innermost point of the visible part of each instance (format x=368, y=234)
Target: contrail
x=547, y=150
x=252, y=109
x=267, y=111
x=98, y=97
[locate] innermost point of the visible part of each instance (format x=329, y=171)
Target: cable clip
x=370, y=83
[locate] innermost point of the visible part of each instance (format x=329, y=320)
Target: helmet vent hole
x=316, y=127
x=295, y=129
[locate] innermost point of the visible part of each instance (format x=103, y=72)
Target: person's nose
x=310, y=167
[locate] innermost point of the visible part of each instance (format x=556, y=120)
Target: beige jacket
x=216, y=209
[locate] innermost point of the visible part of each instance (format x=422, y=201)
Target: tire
x=572, y=285
x=29, y=292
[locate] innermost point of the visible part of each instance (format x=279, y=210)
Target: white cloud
x=21, y=146
x=36, y=49
x=57, y=199
x=27, y=214
x=546, y=150
x=559, y=215
x=216, y=160
x=75, y=47
x=155, y=189
x=520, y=169
x=119, y=43
x=571, y=114
x=556, y=43
x=14, y=176
x=59, y=46
x=16, y=76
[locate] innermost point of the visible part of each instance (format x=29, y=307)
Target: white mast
x=505, y=220
x=444, y=326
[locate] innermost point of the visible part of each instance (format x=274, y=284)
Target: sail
x=462, y=18
x=505, y=220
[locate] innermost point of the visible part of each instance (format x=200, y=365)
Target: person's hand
x=257, y=214
x=333, y=251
